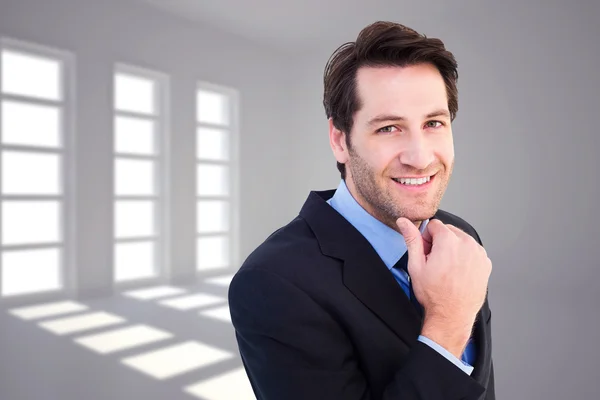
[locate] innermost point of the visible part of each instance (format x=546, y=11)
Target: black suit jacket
x=318, y=315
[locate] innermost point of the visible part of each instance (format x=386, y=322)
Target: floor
x=161, y=342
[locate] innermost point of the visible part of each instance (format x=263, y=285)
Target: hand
x=450, y=273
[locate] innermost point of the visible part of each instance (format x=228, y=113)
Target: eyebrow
x=391, y=117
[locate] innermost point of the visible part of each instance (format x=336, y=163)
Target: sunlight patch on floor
x=230, y=385
x=47, y=310
x=175, y=360
x=219, y=313
x=64, y=326
x=223, y=280
x=192, y=301
x=154, y=292
x=123, y=339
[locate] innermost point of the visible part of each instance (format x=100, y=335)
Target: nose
x=417, y=153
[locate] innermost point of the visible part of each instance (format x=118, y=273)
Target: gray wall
x=100, y=33
x=526, y=176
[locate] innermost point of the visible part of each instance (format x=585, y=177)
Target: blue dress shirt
x=390, y=246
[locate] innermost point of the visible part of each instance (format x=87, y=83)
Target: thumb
x=414, y=241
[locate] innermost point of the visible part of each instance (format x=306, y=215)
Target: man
x=372, y=292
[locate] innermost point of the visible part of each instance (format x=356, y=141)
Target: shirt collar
x=388, y=243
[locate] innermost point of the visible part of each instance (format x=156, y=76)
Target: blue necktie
x=403, y=265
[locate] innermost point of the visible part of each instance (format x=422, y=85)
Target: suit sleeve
x=293, y=349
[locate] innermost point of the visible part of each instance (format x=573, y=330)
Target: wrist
x=452, y=335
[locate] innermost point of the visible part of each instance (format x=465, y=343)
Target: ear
x=337, y=141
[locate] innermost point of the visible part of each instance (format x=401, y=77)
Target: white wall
x=100, y=33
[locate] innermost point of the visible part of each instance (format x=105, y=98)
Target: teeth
x=412, y=181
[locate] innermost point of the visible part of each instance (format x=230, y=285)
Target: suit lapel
x=364, y=273
x=374, y=285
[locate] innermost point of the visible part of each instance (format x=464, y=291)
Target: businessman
x=372, y=291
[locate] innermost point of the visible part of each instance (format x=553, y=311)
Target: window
x=36, y=168
x=140, y=165
x=216, y=174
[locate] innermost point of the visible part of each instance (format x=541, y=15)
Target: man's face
x=402, y=130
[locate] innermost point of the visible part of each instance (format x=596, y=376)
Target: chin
x=419, y=214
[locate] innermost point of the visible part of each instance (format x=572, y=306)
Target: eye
x=429, y=124
x=386, y=129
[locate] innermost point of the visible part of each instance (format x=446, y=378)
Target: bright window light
x=35, y=130
x=28, y=173
x=18, y=218
x=18, y=268
x=31, y=76
x=31, y=124
x=212, y=216
x=134, y=94
x=212, y=252
x=134, y=177
x=134, y=136
x=212, y=144
x=134, y=218
x=212, y=180
x=212, y=108
x=134, y=260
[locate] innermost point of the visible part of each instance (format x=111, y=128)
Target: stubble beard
x=379, y=199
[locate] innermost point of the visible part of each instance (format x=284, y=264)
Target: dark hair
x=381, y=44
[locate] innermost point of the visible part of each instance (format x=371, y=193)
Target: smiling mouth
x=414, y=182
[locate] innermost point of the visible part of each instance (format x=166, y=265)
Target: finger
x=411, y=234
x=457, y=231
x=414, y=240
x=427, y=240
x=435, y=227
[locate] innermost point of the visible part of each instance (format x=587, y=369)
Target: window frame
x=67, y=171
x=233, y=197
x=161, y=198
